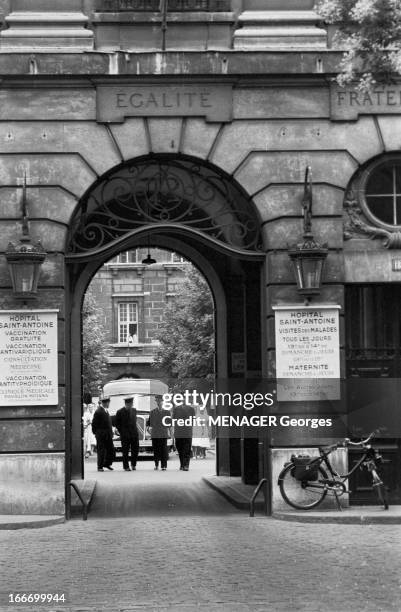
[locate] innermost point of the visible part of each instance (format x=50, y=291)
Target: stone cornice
x=33, y=30
x=269, y=29
x=226, y=64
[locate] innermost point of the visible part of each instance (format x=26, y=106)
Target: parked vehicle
x=143, y=391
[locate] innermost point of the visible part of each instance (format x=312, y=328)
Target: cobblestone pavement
x=213, y=558
x=205, y=563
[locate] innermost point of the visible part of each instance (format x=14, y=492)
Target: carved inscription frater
x=349, y=103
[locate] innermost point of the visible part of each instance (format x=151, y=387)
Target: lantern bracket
x=25, y=259
x=309, y=255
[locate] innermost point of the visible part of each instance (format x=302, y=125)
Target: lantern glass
x=24, y=263
x=312, y=270
x=24, y=276
x=308, y=267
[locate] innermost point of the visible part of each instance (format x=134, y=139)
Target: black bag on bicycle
x=304, y=468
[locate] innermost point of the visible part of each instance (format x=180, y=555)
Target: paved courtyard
x=189, y=549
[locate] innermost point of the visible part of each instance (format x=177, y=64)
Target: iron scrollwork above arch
x=160, y=190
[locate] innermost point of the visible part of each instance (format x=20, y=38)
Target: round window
x=381, y=191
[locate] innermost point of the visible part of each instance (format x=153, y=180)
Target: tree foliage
x=95, y=349
x=370, y=33
x=186, y=334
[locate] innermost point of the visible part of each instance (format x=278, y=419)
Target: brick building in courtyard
x=131, y=298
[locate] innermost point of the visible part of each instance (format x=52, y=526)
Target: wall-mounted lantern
x=308, y=256
x=25, y=259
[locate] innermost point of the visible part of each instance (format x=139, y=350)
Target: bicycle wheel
x=380, y=489
x=301, y=495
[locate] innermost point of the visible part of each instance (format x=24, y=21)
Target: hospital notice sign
x=28, y=358
x=308, y=348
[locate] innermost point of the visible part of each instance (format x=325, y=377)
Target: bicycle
x=304, y=482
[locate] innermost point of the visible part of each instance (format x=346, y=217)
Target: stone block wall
x=50, y=133
x=265, y=149
x=338, y=459
x=32, y=483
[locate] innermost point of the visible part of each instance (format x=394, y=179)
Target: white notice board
x=28, y=358
x=307, y=352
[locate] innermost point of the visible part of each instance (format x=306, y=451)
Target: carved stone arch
x=191, y=207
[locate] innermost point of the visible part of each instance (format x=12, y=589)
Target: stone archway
x=186, y=205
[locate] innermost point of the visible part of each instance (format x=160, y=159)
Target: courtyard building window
x=177, y=258
x=127, y=257
x=128, y=323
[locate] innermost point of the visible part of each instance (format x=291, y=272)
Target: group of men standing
x=126, y=425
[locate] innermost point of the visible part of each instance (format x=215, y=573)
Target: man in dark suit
x=159, y=433
x=126, y=425
x=103, y=430
x=183, y=434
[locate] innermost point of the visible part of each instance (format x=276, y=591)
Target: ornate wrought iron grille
x=164, y=191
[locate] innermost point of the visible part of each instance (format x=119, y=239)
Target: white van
x=143, y=391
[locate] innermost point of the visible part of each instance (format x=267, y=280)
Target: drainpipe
x=163, y=10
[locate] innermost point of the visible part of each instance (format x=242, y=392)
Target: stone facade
x=256, y=109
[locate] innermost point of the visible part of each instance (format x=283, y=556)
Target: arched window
x=380, y=191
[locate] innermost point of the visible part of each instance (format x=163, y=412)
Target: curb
x=29, y=522
x=345, y=519
x=232, y=495
x=357, y=516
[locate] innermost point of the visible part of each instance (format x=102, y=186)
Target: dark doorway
x=373, y=367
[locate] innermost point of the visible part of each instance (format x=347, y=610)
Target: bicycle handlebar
x=347, y=441
x=329, y=449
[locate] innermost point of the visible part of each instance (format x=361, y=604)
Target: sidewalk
x=354, y=515
x=239, y=494
x=29, y=521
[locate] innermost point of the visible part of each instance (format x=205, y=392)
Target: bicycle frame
x=325, y=479
x=346, y=476
x=324, y=459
